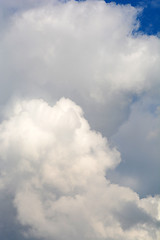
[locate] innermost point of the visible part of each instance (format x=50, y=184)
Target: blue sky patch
x=150, y=17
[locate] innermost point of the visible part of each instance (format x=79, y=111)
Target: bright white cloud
x=54, y=165
x=84, y=51
x=56, y=138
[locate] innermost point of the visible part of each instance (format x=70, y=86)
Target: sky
x=79, y=120
x=149, y=19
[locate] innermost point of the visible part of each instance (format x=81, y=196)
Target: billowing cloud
x=84, y=51
x=88, y=52
x=55, y=170
x=54, y=167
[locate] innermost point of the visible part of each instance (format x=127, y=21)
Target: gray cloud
x=130, y=215
x=138, y=139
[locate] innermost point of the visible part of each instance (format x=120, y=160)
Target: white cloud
x=54, y=165
x=58, y=134
x=84, y=51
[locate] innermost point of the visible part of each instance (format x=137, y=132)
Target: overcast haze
x=79, y=121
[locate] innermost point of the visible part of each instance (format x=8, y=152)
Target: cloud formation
x=54, y=167
x=84, y=51
x=55, y=170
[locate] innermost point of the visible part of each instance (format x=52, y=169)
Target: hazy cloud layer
x=138, y=140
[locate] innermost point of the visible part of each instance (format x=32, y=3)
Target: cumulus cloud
x=54, y=167
x=89, y=52
x=58, y=134
x=84, y=51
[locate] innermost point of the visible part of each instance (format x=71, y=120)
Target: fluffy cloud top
x=58, y=138
x=54, y=167
x=81, y=50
